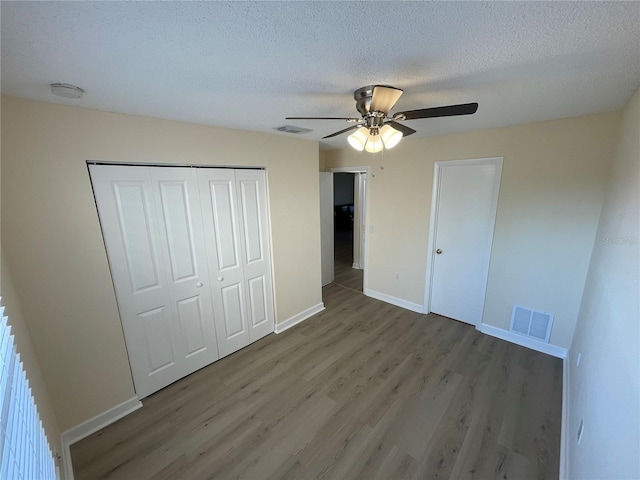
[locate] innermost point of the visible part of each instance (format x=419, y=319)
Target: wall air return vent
x=292, y=129
x=531, y=323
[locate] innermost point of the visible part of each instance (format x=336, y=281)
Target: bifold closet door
x=234, y=208
x=152, y=225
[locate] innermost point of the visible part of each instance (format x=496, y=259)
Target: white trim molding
x=360, y=169
x=547, y=348
x=86, y=428
x=398, y=302
x=564, y=425
x=299, y=317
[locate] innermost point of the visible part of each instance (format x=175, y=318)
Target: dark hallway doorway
x=343, y=200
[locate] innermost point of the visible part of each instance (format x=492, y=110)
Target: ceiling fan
x=376, y=129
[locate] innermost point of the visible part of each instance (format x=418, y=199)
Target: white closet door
x=252, y=198
x=235, y=217
x=151, y=224
x=182, y=235
x=220, y=213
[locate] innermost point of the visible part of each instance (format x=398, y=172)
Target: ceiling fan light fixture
x=374, y=144
x=390, y=136
x=359, y=138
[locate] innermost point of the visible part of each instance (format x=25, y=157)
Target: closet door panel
x=125, y=201
x=131, y=201
x=251, y=221
x=160, y=351
x=223, y=209
x=258, y=301
x=180, y=220
x=192, y=325
x=254, y=232
x=179, y=229
x=233, y=314
x=220, y=219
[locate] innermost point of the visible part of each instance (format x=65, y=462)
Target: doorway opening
x=348, y=209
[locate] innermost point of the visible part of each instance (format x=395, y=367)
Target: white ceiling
x=248, y=65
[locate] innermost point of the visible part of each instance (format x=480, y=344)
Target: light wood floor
x=362, y=390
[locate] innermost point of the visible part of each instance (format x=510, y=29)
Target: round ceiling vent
x=66, y=90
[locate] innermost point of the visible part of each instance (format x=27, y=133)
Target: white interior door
x=326, y=227
x=151, y=223
x=466, y=202
x=235, y=218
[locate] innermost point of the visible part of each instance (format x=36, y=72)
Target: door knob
x=439, y=251
x=220, y=279
x=199, y=284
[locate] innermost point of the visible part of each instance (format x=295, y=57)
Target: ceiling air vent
x=532, y=323
x=292, y=129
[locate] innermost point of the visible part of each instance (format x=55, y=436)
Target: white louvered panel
x=24, y=450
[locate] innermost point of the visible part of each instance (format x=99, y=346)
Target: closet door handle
x=199, y=284
x=220, y=279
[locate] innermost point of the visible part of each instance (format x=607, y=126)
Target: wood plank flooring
x=344, y=273
x=363, y=390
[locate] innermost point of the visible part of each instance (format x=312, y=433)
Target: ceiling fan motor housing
x=362, y=97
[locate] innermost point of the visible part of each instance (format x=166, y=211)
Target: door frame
x=326, y=224
x=364, y=244
x=437, y=169
x=360, y=187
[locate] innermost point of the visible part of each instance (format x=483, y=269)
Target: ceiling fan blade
x=406, y=131
x=384, y=98
x=448, y=111
x=348, y=119
x=342, y=131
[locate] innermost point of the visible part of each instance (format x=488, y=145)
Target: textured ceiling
x=248, y=65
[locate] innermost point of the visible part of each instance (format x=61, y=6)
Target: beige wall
x=322, y=164
x=553, y=181
x=604, y=390
x=54, y=247
x=24, y=346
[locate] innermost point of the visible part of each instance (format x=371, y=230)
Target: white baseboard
x=564, y=426
x=398, y=302
x=547, y=348
x=77, y=433
x=299, y=317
